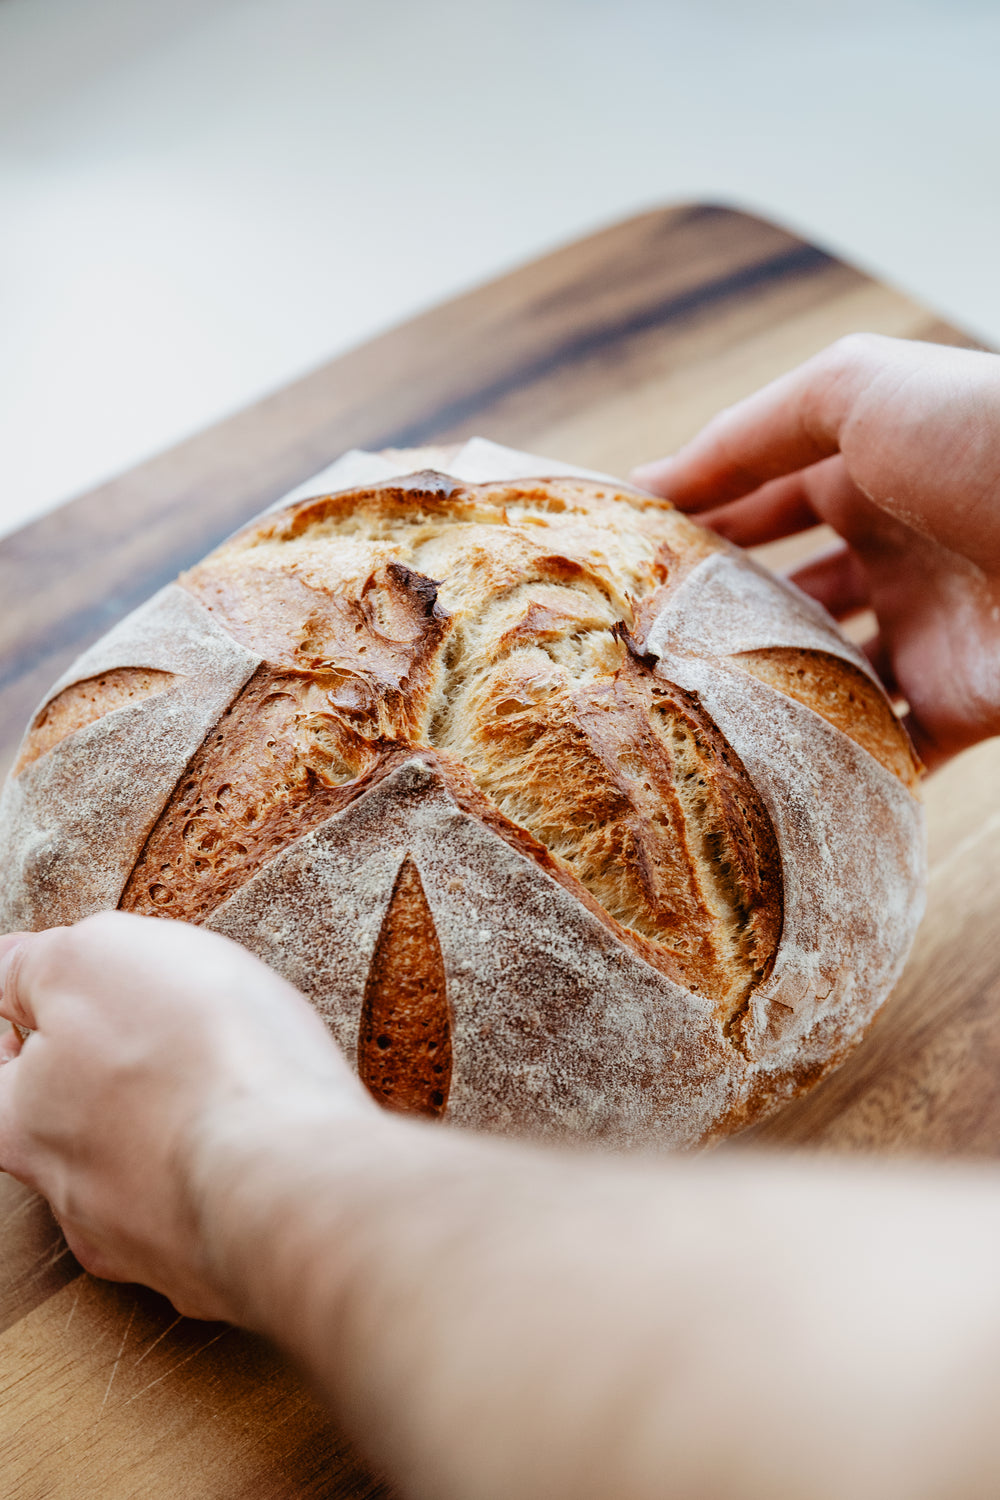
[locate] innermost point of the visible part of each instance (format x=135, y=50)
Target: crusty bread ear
x=567, y=817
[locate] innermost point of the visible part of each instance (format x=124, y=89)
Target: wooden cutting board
x=609, y=351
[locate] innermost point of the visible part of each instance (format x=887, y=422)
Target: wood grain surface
x=609, y=351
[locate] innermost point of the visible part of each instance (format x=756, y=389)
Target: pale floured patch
x=728, y=603
x=590, y=1041
x=74, y=821
x=853, y=866
x=509, y=637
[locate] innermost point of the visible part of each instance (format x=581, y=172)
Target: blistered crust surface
x=75, y=819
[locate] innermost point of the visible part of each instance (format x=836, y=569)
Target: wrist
x=277, y=1185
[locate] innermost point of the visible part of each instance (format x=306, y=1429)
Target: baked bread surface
x=568, y=817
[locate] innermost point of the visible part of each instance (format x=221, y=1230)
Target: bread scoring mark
x=843, y=695
x=624, y=778
x=491, y=625
x=404, y=1036
x=290, y=751
x=85, y=702
x=339, y=697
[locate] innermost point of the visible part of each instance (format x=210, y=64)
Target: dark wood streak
x=69, y=576
x=802, y=260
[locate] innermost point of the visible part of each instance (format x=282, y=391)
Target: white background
x=201, y=199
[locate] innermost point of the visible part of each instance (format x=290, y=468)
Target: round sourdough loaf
x=569, y=818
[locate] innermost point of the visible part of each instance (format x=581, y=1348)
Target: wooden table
x=607, y=352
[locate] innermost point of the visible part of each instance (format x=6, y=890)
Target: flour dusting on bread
x=567, y=816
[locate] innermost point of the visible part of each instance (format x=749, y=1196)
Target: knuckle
x=99, y=920
x=64, y=953
x=51, y=956
x=854, y=349
x=93, y=936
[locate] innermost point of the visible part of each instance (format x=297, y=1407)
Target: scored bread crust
x=73, y=818
x=629, y=821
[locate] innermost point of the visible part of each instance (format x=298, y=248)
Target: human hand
x=149, y=1039
x=897, y=446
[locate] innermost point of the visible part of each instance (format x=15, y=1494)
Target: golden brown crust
x=844, y=696
x=627, y=782
x=73, y=821
x=496, y=625
x=515, y=661
x=404, y=1039
x=280, y=761
x=546, y=738
x=85, y=702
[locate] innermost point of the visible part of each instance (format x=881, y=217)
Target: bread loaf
x=568, y=817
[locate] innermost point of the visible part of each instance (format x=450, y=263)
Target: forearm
x=491, y=1320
